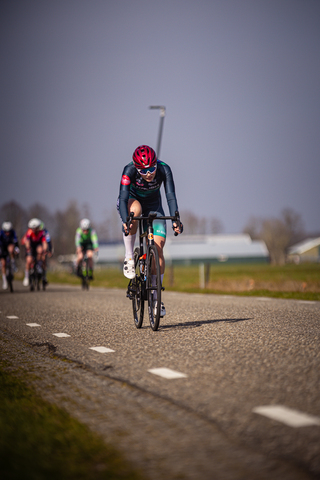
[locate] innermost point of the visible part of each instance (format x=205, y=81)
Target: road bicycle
x=36, y=276
x=9, y=272
x=146, y=261
x=84, y=271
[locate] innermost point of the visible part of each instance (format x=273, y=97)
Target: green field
x=40, y=441
x=288, y=281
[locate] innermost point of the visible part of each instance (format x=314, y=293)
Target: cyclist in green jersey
x=86, y=241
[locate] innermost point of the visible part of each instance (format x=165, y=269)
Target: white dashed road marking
x=167, y=373
x=12, y=317
x=288, y=416
x=61, y=335
x=102, y=349
x=33, y=324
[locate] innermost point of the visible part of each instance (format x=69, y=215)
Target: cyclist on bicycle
x=8, y=246
x=36, y=246
x=49, y=253
x=86, y=241
x=140, y=193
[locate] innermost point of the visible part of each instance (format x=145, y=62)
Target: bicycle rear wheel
x=154, y=290
x=9, y=276
x=137, y=290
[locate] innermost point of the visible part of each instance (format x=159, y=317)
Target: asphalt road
x=228, y=356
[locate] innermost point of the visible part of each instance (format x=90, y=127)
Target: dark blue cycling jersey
x=148, y=194
x=7, y=239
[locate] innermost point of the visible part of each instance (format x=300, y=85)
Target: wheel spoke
x=154, y=291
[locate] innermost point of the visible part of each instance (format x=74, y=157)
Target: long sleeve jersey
x=8, y=238
x=86, y=240
x=133, y=185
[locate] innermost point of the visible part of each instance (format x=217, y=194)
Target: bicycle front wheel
x=10, y=285
x=154, y=287
x=85, y=275
x=32, y=280
x=9, y=278
x=137, y=289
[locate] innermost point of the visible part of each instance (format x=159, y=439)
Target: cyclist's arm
x=94, y=240
x=124, y=191
x=44, y=245
x=27, y=241
x=15, y=239
x=77, y=238
x=170, y=190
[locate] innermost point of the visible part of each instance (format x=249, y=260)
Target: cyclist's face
x=147, y=175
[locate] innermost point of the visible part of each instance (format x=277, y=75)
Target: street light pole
x=162, y=115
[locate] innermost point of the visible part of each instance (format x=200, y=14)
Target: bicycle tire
x=85, y=283
x=31, y=280
x=85, y=278
x=9, y=276
x=153, y=257
x=137, y=289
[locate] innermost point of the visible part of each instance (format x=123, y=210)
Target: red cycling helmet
x=144, y=157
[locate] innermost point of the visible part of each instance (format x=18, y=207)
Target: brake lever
x=129, y=220
x=179, y=224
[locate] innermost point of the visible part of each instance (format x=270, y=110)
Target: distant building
x=306, y=251
x=195, y=249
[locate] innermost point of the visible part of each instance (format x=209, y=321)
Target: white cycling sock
x=129, y=244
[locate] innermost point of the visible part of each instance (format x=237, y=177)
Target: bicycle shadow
x=199, y=323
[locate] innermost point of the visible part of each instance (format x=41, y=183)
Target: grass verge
x=289, y=281
x=41, y=441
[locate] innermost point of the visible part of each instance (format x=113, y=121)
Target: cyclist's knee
x=135, y=207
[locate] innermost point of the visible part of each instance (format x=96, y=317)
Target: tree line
x=61, y=224
x=278, y=233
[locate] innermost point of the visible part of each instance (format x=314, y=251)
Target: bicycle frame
x=9, y=273
x=85, y=269
x=36, y=274
x=141, y=287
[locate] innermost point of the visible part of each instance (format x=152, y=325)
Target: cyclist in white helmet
x=86, y=240
x=36, y=246
x=8, y=246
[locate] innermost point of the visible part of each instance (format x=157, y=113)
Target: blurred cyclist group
x=38, y=246
x=139, y=193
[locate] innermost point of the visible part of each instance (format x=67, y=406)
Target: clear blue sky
x=239, y=79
